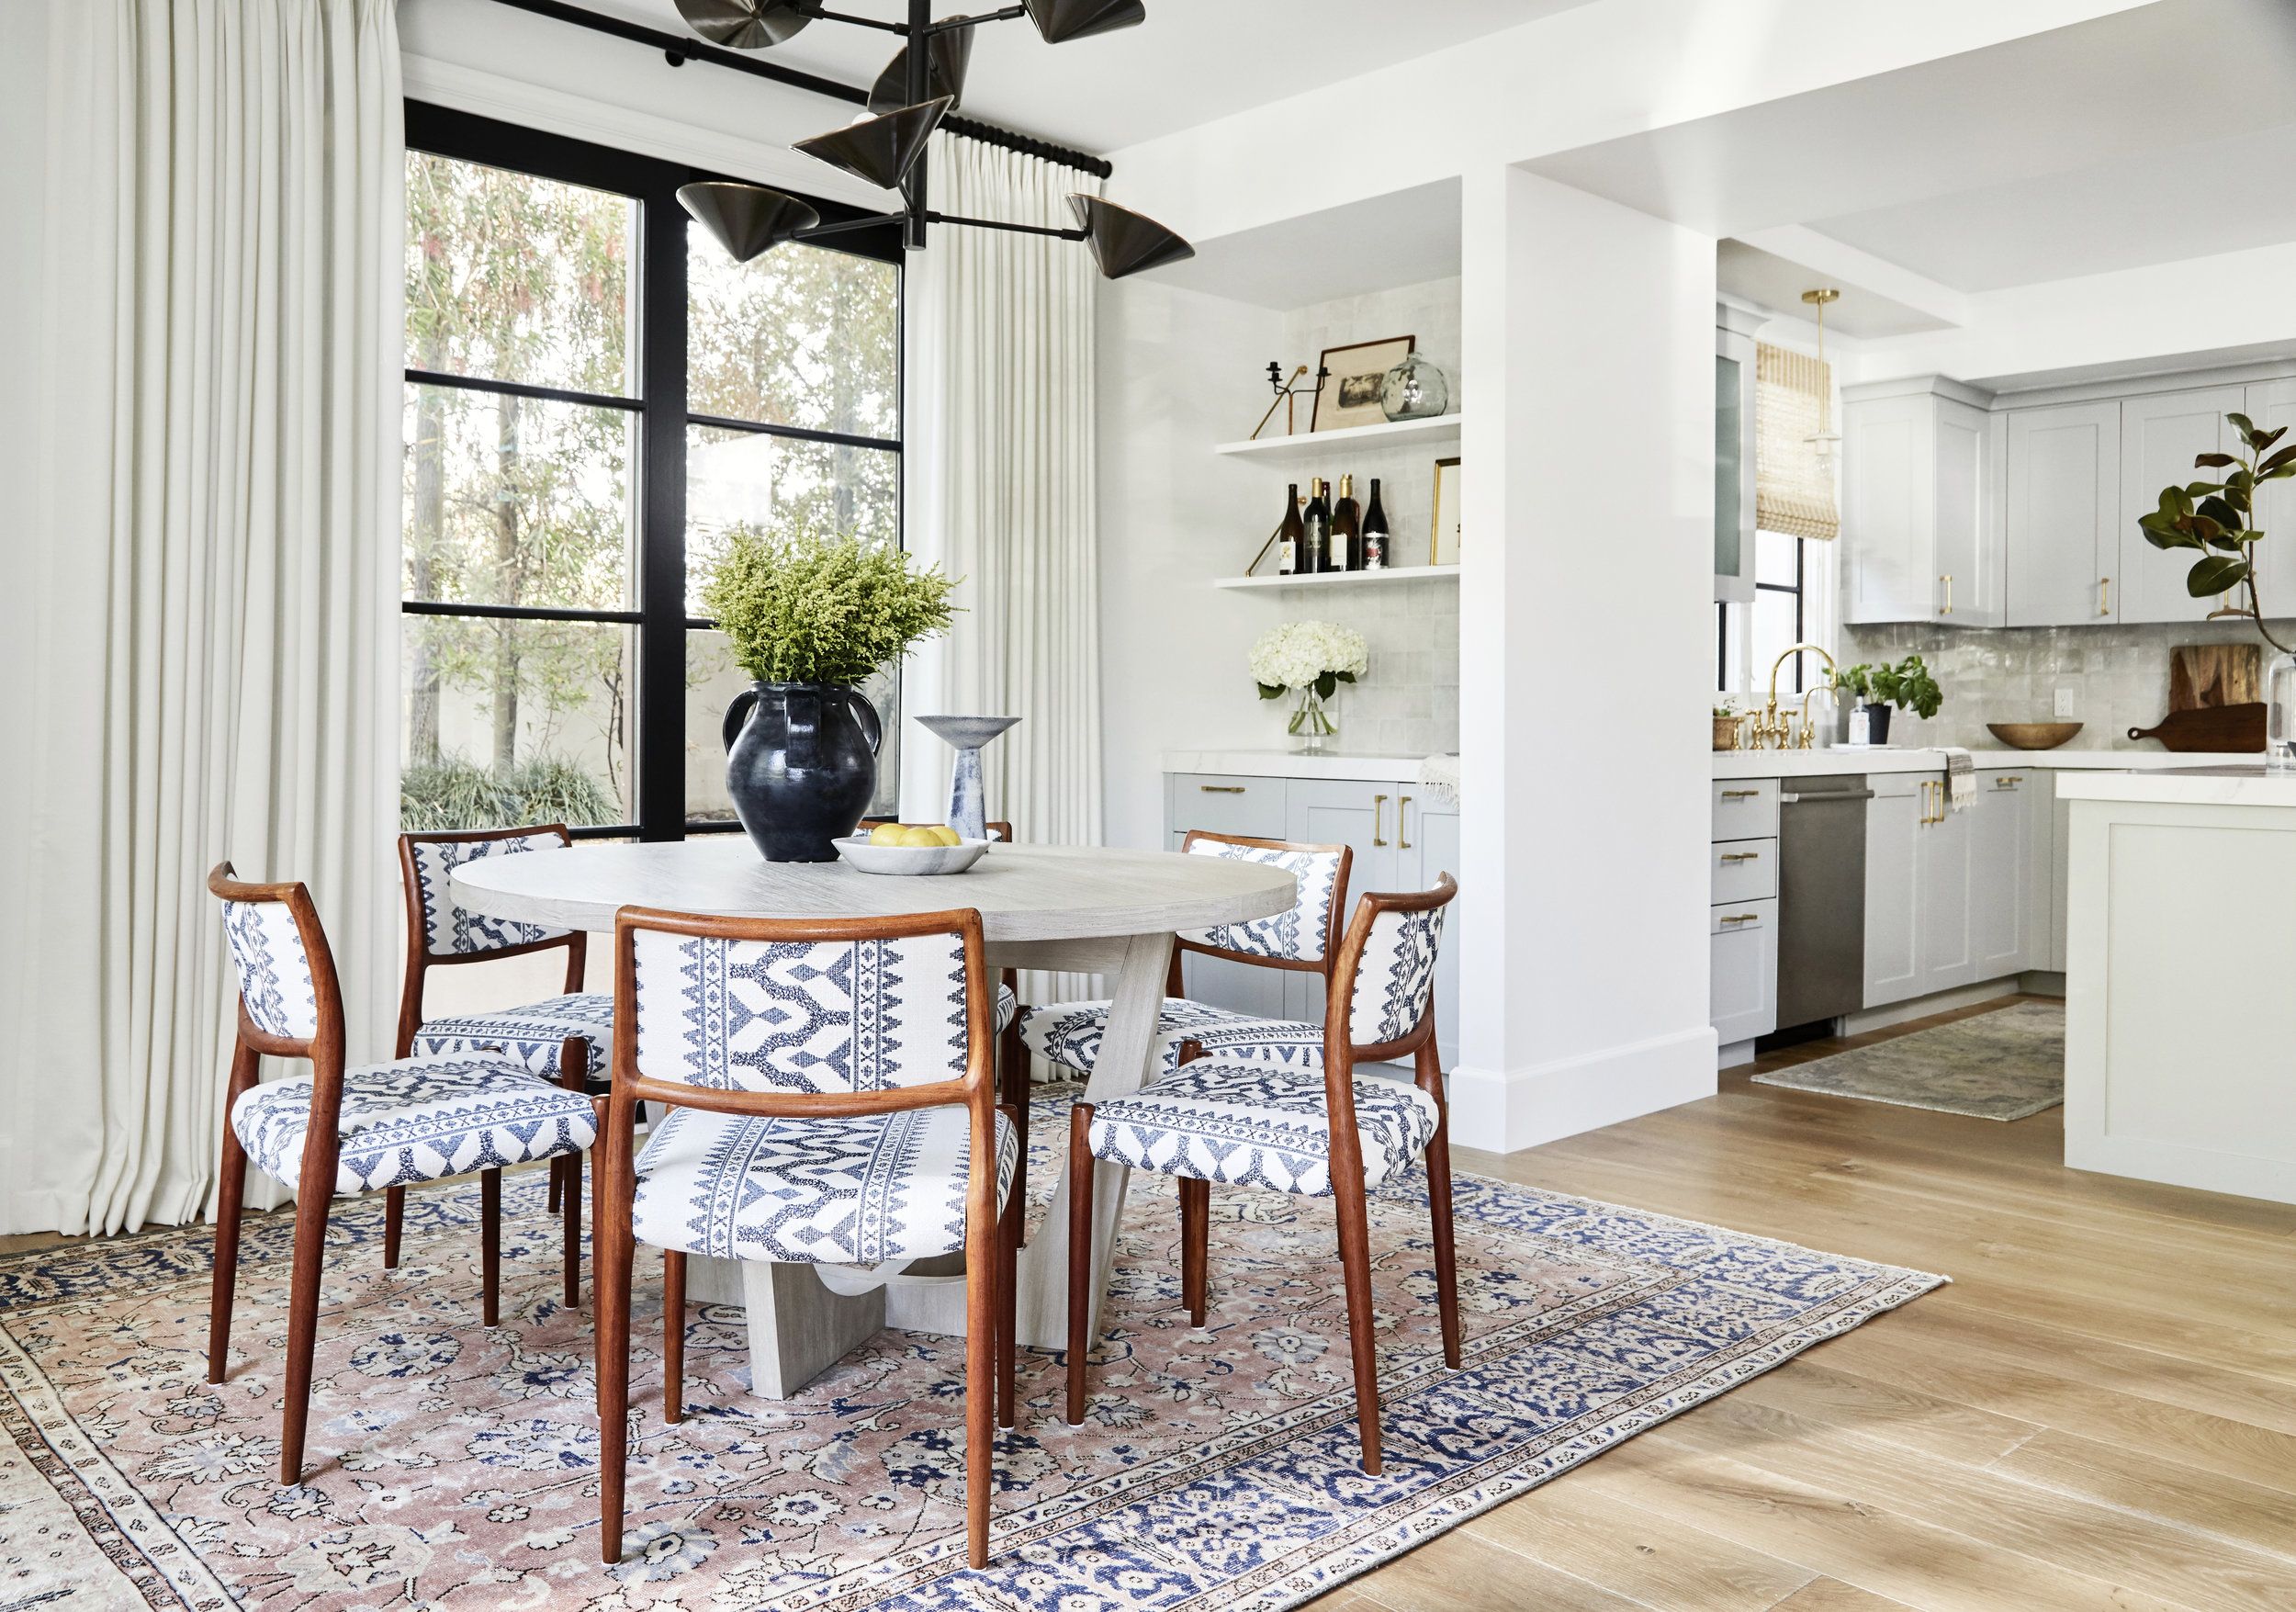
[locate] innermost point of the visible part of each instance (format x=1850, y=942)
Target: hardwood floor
x=2100, y=1412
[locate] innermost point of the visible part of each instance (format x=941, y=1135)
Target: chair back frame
x=1341, y=1054
x=1329, y=961
x=323, y=1049
x=420, y=959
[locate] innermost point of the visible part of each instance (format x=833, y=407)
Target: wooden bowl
x=2032, y=736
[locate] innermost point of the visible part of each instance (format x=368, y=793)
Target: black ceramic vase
x=800, y=764
x=1876, y=722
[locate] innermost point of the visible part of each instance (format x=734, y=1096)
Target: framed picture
x=1443, y=537
x=1350, y=393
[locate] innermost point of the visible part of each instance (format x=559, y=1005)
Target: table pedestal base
x=798, y=1328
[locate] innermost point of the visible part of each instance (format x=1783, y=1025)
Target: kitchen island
x=2178, y=1063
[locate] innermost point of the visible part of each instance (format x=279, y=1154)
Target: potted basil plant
x=1883, y=688
x=810, y=617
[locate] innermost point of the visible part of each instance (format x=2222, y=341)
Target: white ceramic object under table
x=911, y=861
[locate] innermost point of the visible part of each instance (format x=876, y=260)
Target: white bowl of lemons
x=912, y=848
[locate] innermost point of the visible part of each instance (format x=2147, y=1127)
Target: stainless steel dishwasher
x=1821, y=897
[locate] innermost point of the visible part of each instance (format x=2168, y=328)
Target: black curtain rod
x=681, y=49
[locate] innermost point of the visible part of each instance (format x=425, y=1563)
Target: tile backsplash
x=2119, y=675
x=1408, y=704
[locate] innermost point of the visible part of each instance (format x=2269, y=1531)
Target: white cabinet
x=2160, y=435
x=2003, y=905
x=1734, y=453
x=2063, y=500
x=1744, y=1003
x=1895, y=819
x=2271, y=404
x=1921, y=537
x=1953, y=898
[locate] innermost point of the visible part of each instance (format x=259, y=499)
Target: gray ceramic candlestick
x=967, y=733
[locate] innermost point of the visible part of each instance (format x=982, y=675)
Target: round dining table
x=1070, y=909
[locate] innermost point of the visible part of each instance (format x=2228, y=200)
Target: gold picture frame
x=1442, y=525
x=1349, y=394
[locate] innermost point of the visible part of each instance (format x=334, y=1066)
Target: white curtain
x=1000, y=451
x=210, y=667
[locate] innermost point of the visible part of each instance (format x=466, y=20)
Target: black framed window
x=1774, y=620
x=592, y=402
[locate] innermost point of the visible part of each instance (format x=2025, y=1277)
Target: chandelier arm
x=821, y=13
x=952, y=24
x=1000, y=224
x=846, y=226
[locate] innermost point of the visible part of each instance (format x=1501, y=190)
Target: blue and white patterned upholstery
x=1007, y=1008
x=855, y=1190
x=275, y=968
x=1261, y=1127
x=450, y=929
x=530, y=1035
x=800, y=1016
x=1298, y=933
x=417, y=1120
x=1068, y=1034
x=1392, y=980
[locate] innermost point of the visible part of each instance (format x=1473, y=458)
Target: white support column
x=1586, y=643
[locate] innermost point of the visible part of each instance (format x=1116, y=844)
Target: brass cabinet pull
x=1741, y=856
x=1379, y=816
x=1741, y=793
x=1221, y=788
x=2007, y=781
x=1926, y=787
x=1743, y=917
x=1402, y=843
x=2104, y=595
x=1948, y=579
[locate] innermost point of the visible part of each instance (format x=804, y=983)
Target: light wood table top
x=1023, y=892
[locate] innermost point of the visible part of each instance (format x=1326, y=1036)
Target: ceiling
x=1771, y=281
x=1192, y=61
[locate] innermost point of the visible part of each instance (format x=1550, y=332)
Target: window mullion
x=661, y=680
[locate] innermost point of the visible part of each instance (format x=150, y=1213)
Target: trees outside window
x=591, y=404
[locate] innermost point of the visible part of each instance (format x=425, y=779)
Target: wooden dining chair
x=1319, y=1134
x=823, y=1096
x=337, y=1131
x=1302, y=938
x=564, y=1037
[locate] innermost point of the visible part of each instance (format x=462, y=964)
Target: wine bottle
x=1289, y=534
x=1346, y=529
x=1375, y=537
x=1315, y=550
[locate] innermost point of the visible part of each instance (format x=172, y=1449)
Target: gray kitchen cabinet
x=2002, y=913
x=2063, y=501
x=2060, y=892
x=1744, y=979
x=2160, y=435
x=2271, y=404
x=1366, y=818
x=1894, y=819
x=1433, y=830
x=1942, y=865
x=1734, y=453
x=1923, y=535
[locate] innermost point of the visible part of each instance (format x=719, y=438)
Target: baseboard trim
x=1506, y=1110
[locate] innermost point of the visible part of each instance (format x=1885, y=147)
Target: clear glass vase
x=2279, y=714
x=1311, y=723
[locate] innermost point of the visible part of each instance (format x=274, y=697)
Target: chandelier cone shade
x=1123, y=241
x=748, y=220
x=946, y=59
x=880, y=149
x=744, y=25
x=1060, y=21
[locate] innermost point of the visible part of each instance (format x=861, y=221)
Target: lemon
x=887, y=834
x=947, y=835
x=920, y=838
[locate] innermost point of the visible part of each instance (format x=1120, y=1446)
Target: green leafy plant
x=2216, y=517
x=1908, y=683
x=805, y=607
x=453, y=793
x=1854, y=680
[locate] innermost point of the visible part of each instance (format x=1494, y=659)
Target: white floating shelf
x=1400, y=573
x=1324, y=445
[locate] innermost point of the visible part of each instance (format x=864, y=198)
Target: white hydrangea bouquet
x=1310, y=658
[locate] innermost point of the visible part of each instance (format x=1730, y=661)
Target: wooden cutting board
x=2205, y=675
x=2232, y=729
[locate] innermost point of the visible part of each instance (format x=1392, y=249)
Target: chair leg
x=1194, y=1245
x=598, y=1178
x=230, y=1190
x=610, y=1259
x=1354, y=1258
x=394, y=1217
x=558, y=1185
x=1080, y=1173
x=310, y=1250
x=571, y=1210
x=490, y=1246
x=1439, y=1206
x=673, y=1335
x=1012, y=1082
x=1007, y=1311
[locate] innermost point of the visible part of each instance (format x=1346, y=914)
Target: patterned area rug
x=455, y=1467
x=2004, y=1064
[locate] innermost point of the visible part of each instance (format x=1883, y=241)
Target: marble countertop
x=1804, y=763
x=2245, y=785
x=1332, y=765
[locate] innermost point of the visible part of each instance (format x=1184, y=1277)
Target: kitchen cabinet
x=2271, y=404
x=1734, y=453
x=1895, y=819
x=1953, y=898
x=1400, y=839
x=1744, y=1002
x=2160, y=435
x=2006, y=896
x=1922, y=534
x=2062, y=497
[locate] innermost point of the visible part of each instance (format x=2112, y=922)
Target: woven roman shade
x=1793, y=487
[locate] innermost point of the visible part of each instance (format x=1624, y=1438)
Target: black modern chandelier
x=922, y=84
